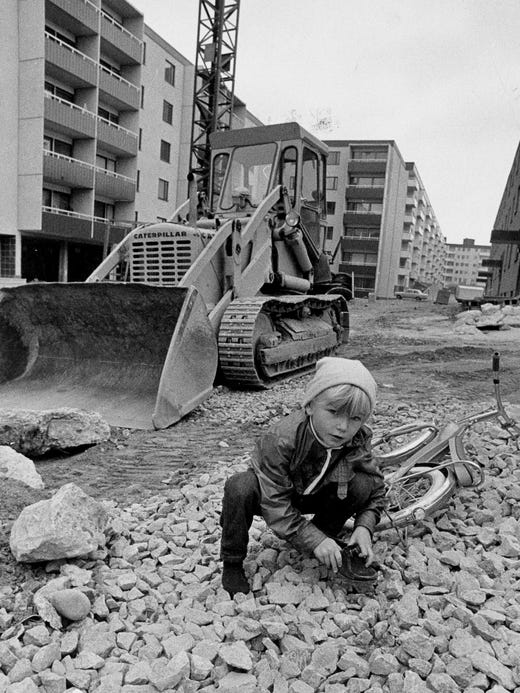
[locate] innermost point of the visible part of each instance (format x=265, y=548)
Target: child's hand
x=362, y=538
x=328, y=552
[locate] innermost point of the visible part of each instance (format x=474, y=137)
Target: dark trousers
x=242, y=501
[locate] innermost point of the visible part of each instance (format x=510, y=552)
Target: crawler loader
x=235, y=287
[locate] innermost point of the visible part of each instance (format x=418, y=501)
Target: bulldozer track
x=238, y=336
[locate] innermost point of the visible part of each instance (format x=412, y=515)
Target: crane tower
x=214, y=82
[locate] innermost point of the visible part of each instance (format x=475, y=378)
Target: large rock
x=37, y=432
x=68, y=525
x=17, y=467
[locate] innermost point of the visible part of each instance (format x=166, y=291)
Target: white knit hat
x=332, y=371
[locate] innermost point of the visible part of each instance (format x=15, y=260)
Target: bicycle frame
x=441, y=450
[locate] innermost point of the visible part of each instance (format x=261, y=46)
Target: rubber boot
x=234, y=579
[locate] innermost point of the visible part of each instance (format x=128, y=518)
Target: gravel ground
x=446, y=612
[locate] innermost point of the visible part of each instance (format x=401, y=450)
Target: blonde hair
x=348, y=399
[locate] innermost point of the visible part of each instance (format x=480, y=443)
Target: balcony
x=58, y=168
x=357, y=245
x=120, y=42
x=80, y=227
x=69, y=118
x=74, y=15
x=362, y=219
x=117, y=91
x=68, y=64
x=365, y=192
x=114, y=185
x=365, y=166
x=116, y=139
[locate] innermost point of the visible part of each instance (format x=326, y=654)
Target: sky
x=439, y=77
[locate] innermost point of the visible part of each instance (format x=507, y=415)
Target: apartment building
x=464, y=264
x=381, y=226
x=97, y=112
x=503, y=264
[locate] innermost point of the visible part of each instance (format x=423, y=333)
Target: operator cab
x=248, y=163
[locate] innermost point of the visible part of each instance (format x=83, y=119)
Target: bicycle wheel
x=417, y=495
x=401, y=443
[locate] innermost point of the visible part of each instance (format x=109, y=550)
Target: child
x=316, y=461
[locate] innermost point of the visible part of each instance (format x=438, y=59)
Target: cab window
x=310, y=178
x=289, y=163
x=248, y=175
x=217, y=179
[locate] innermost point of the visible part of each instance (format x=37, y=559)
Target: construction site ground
x=411, y=348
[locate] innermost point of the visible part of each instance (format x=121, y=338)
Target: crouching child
x=315, y=461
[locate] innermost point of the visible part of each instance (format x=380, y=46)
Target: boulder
x=38, y=432
x=17, y=467
x=68, y=525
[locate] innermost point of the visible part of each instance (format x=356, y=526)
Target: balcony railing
x=71, y=61
x=121, y=38
x=118, y=88
x=74, y=119
x=67, y=171
x=117, y=137
x=83, y=11
x=114, y=185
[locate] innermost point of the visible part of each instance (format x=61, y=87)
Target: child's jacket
x=288, y=458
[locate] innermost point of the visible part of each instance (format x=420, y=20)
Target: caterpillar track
x=264, y=339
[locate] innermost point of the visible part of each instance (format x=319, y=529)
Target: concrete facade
x=381, y=226
x=503, y=264
x=463, y=264
x=97, y=112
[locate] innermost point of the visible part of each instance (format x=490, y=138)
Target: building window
x=51, y=144
x=169, y=73
x=108, y=115
x=7, y=256
x=329, y=233
x=110, y=67
x=163, y=189
x=142, y=95
x=333, y=159
x=140, y=138
x=58, y=91
x=55, y=199
x=365, y=206
x=137, y=180
x=165, y=151
x=103, y=210
x=332, y=182
x=106, y=163
x=361, y=232
x=360, y=258
x=144, y=53
x=369, y=154
x=69, y=40
x=167, y=112
x=331, y=208
x=367, y=181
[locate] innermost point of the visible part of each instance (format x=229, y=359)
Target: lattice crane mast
x=214, y=81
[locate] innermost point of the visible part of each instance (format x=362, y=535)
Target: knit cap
x=333, y=370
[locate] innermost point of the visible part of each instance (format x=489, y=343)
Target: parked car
x=411, y=293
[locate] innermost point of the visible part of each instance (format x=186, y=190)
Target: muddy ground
x=411, y=348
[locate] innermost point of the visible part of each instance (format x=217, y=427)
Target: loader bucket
x=140, y=355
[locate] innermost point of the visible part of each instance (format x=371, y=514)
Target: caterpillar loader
x=239, y=286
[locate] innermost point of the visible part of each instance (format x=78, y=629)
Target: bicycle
x=431, y=466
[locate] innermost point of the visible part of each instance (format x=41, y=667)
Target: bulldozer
x=234, y=288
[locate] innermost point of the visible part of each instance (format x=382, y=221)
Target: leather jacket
x=289, y=457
